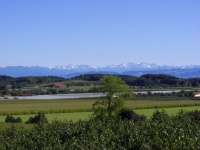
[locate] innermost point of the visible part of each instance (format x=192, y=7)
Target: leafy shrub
x=40, y=118
x=9, y=119
x=19, y=120
x=195, y=115
x=13, y=120
x=160, y=115
x=175, y=133
x=130, y=115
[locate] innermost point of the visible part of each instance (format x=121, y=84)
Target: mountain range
x=190, y=71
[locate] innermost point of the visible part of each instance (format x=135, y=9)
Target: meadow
x=70, y=126
x=85, y=115
x=161, y=131
x=75, y=109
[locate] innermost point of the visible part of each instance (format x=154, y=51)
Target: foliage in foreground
x=160, y=132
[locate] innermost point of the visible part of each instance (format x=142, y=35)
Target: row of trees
x=4, y=90
x=148, y=80
x=29, y=81
x=174, y=94
x=40, y=92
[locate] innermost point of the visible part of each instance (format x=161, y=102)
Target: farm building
x=58, y=85
x=9, y=86
x=196, y=94
x=26, y=94
x=7, y=96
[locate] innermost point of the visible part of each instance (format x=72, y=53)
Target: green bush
x=195, y=115
x=176, y=132
x=11, y=119
x=19, y=120
x=160, y=115
x=130, y=115
x=40, y=118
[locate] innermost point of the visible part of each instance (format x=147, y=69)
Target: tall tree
x=115, y=91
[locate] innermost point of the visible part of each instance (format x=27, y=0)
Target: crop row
x=52, y=111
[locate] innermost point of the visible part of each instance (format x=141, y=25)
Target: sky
x=99, y=32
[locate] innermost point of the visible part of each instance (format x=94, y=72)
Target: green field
x=75, y=109
x=85, y=105
x=85, y=115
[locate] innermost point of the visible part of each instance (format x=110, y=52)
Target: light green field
x=56, y=116
x=83, y=105
x=82, y=108
x=170, y=111
x=86, y=115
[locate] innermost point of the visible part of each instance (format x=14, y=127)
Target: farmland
x=82, y=105
x=75, y=109
x=75, y=116
x=160, y=120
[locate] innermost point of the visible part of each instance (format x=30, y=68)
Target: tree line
x=151, y=80
x=29, y=81
x=148, y=80
x=144, y=81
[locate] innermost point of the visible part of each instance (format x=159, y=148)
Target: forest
x=152, y=80
x=42, y=85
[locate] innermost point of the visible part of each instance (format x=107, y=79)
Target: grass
x=170, y=111
x=56, y=116
x=27, y=107
x=158, y=103
x=75, y=109
x=85, y=115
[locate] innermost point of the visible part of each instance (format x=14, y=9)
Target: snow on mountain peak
x=121, y=67
x=79, y=69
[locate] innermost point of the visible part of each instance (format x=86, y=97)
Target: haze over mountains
x=190, y=71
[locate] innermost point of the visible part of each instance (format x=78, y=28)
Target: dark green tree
x=12, y=119
x=40, y=118
x=115, y=91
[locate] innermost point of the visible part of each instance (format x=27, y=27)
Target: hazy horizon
x=96, y=65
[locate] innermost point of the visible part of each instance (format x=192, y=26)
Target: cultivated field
x=75, y=109
x=84, y=105
x=85, y=115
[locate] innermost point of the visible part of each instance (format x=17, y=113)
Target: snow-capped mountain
x=129, y=68
x=117, y=68
x=77, y=67
x=123, y=67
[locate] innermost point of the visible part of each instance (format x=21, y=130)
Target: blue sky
x=99, y=32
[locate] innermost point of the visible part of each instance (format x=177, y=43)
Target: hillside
x=150, y=80
x=29, y=81
x=153, y=80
